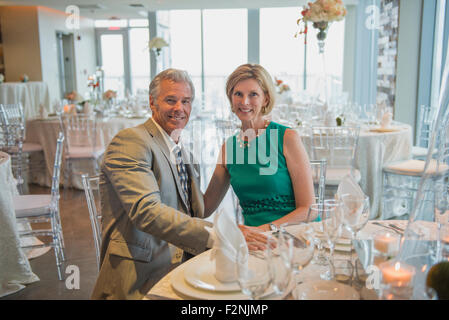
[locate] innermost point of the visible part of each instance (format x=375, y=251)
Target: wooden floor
x=80, y=252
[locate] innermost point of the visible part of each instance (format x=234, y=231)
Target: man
x=151, y=200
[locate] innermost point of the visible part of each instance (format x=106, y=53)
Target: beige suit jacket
x=143, y=210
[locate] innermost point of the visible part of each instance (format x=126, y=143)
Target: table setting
x=342, y=256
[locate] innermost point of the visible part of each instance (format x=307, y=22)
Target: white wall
x=51, y=21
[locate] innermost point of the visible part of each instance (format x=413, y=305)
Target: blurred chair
x=12, y=141
x=39, y=208
x=91, y=186
x=82, y=143
x=425, y=119
x=337, y=145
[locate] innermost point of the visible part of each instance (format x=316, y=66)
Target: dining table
x=185, y=282
x=33, y=95
x=45, y=131
x=15, y=269
x=376, y=147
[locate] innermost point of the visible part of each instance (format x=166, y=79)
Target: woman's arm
x=301, y=175
x=218, y=185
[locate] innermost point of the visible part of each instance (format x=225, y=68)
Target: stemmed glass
x=297, y=249
x=280, y=267
x=355, y=213
x=331, y=220
x=371, y=112
x=253, y=269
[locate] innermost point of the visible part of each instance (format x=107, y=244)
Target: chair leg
x=57, y=246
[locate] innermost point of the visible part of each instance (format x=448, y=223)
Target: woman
x=265, y=163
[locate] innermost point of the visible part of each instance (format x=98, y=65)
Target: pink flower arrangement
x=73, y=96
x=321, y=13
x=110, y=94
x=281, y=86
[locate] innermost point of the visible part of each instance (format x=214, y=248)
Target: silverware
x=298, y=241
x=396, y=227
x=388, y=227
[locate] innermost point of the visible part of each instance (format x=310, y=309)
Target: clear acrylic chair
x=426, y=116
x=91, y=186
x=12, y=141
x=81, y=143
x=337, y=145
x=39, y=208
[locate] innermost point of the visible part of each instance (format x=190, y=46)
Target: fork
x=388, y=227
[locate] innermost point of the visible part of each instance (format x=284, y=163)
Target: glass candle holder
x=386, y=243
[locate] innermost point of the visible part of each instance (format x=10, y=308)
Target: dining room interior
x=367, y=92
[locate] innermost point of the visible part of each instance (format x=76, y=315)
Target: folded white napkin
x=386, y=120
x=227, y=238
x=348, y=185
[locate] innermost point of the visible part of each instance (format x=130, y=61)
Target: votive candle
x=397, y=272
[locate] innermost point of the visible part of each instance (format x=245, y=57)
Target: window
x=225, y=48
x=140, y=58
x=283, y=55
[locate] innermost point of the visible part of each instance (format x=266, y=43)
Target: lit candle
x=397, y=272
x=386, y=243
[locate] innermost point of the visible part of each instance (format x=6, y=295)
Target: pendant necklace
x=244, y=143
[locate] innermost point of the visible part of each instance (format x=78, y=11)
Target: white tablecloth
x=31, y=94
x=164, y=290
x=45, y=132
x=15, y=269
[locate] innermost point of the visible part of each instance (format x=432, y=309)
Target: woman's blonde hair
x=258, y=73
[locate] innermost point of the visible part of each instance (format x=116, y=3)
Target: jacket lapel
x=157, y=135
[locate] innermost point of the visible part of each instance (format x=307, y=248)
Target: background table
x=45, y=132
x=31, y=94
x=15, y=269
x=374, y=150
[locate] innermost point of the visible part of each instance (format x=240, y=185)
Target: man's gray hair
x=174, y=75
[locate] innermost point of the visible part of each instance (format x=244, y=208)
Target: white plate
x=325, y=290
x=182, y=287
x=201, y=274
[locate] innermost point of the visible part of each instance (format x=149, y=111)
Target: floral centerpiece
x=109, y=95
x=321, y=13
x=281, y=86
x=73, y=96
x=24, y=78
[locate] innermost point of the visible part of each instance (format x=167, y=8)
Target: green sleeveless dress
x=259, y=176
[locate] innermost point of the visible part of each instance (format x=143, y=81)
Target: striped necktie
x=183, y=175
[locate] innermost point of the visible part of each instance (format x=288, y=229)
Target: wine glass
x=253, y=269
x=320, y=258
x=331, y=220
x=355, y=213
x=297, y=249
x=280, y=267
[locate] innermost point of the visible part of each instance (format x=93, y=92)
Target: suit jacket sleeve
x=128, y=166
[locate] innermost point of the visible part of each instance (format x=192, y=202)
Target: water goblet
x=331, y=219
x=280, y=267
x=297, y=249
x=253, y=270
x=355, y=213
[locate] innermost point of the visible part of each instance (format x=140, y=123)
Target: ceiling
x=126, y=9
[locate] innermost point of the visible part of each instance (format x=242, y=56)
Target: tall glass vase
x=322, y=83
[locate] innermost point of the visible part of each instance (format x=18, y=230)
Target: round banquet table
x=45, y=132
x=32, y=95
x=174, y=285
x=15, y=269
x=375, y=148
